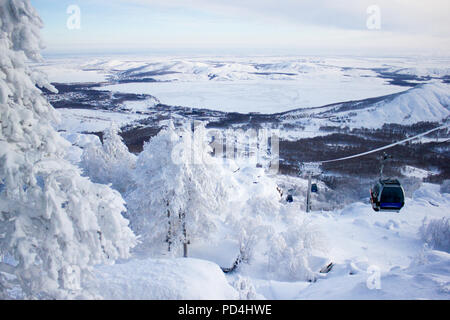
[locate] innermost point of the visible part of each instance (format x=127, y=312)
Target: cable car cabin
x=387, y=195
x=314, y=188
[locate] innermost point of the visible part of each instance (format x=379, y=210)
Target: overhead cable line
x=382, y=148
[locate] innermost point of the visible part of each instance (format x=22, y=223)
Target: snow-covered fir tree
x=179, y=190
x=54, y=223
x=111, y=162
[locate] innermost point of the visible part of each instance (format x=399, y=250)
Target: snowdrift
x=163, y=279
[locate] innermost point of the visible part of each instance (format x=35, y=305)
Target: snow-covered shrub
x=178, y=190
x=245, y=288
x=288, y=252
x=410, y=185
x=254, y=203
x=445, y=186
x=436, y=233
x=111, y=162
x=4, y=287
x=54, y=223
x=250, y=233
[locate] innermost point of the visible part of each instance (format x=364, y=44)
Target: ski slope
x=374, y=255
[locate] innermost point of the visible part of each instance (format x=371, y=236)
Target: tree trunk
x=185, y=240
x=185, y=250
x=169, y=231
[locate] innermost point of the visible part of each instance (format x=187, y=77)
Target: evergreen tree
x=111, y=162
x=178, y=190
x=54, y=223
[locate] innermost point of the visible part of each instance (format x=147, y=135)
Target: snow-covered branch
x=4, y=267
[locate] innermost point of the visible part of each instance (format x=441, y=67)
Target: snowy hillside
x=159, y=279
x=374, y=256
x=427, y=102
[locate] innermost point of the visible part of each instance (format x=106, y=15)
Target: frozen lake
x=264, y=96
x=250, y=84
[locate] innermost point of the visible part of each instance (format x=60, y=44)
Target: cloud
x=404, y=16
x=330, y=26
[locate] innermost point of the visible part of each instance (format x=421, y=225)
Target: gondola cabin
x=314, y=188
x=387, y=195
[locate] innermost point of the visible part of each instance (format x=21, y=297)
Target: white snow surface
x=263, y=96
x=363, y=242
x=68, y=72
x=247, y=84
x=87, y=120
x=163, y=279
x=364, y=245
x=428, y=102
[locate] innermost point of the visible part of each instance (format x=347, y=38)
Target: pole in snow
x=308, y=194
x=309, y=168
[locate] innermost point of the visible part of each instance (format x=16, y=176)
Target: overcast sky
x=399, y=27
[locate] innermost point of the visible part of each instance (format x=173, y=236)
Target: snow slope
x=69, y=71
x=364, y=245
x=162, y=279
x=426, y=102
x=375, y=256
x=88, y=120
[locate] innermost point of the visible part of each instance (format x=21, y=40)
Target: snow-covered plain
x=68, y=71
x=247, y=84
x=265, y=85
x=263, y=96
x=85, y=120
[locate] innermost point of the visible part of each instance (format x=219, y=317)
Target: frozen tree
x=246, y=289
x=178, y=190
x=111, y=162
x=290, y=248
x=54, y=223
x=436, y=233
x=445, y=186
x=289, y=251
x=250, y=214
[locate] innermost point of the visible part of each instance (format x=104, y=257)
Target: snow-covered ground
x=248, y=84
x=170, y=279
x=375, y=256
x=265, y=85
x=86, y=120
x=263, y=96
x=364, y=243
x=69, y=71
